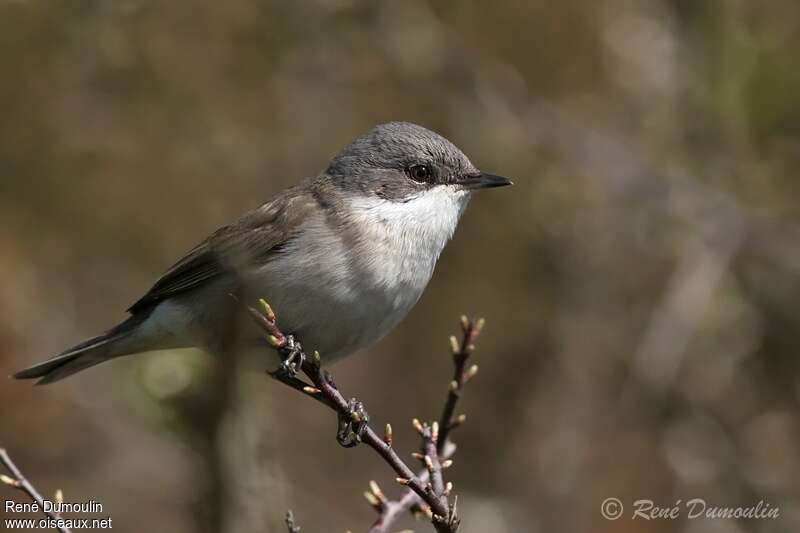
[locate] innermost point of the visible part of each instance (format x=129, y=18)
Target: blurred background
x=640, y=282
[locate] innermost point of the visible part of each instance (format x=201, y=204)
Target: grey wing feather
x=235, y=247
x=199, y=265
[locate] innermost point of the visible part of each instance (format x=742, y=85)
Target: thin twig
x=389, y=511
x=442, y=522
x=324, y=390
x=19, y=481
x=470, y=330
x=370, y=438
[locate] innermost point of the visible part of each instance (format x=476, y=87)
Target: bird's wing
x=236, y=247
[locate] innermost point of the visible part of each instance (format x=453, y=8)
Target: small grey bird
x=341, y=257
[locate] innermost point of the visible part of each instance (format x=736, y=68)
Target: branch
x=390, y=511
x=470, y=329
x=430, y=489
x=19, y=481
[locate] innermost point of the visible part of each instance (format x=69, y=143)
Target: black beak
x=484, y=181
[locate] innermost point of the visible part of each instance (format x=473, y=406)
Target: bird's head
x=400, y=161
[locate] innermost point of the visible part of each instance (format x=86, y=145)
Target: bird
x=342, y=257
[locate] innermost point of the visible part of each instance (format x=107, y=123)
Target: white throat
x=415, y=231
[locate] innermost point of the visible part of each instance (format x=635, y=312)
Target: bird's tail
x=88, y=353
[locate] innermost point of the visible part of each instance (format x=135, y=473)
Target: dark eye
x=419, y=173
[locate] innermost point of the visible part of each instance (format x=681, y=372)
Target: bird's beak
x=484, y=181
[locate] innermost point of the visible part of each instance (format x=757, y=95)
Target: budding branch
x=426, y=492
x=18, y=481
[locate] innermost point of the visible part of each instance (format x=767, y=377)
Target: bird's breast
x=343, y=282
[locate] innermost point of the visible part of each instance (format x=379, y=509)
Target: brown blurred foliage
x=640, y=281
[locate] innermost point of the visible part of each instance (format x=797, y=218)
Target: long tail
x=86, y=354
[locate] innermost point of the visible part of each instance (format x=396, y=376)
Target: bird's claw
x=352, y=425
x=293, y=357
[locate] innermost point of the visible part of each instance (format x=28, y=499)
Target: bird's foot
x=292, y=355
x=352, y=425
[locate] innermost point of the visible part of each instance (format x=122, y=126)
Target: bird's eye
x=419, y=173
